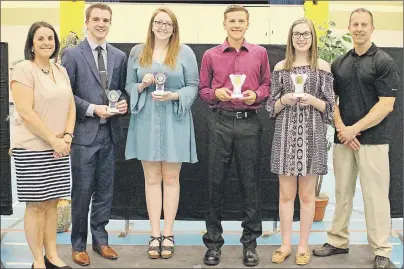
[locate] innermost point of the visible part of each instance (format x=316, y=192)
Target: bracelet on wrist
x=71, y=135
x=280, y=101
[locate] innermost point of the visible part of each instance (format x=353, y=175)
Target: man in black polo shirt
x=366, y=82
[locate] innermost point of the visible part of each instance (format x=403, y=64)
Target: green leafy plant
x=69, y=41
x=331, y=46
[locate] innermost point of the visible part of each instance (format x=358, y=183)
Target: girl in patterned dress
x=302, y=102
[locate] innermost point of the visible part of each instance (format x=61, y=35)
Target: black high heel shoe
x=154, y=251
x=50, y=265
x=169, y=249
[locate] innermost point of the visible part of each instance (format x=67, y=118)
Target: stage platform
x=15, y=252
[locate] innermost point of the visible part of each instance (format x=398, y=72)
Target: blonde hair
x=290, y=50
x=173, y=44
x=233, y=8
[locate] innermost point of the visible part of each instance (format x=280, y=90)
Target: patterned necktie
x=101, y=69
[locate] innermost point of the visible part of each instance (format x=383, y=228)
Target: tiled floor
x=15, y=252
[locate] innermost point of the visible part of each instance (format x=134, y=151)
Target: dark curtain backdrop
x=129, y=198
x=6, y=199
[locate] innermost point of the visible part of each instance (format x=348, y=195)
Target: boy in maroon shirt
x=234, y=126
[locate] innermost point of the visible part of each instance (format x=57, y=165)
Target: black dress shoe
x=212, y=256
x=328, y=250
x=50, y=265
x=381, y=262
x=250, y=257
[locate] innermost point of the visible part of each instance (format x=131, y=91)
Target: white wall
x=15, y=34
x=203, y=23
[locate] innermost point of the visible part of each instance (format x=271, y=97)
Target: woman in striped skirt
x=40, y=140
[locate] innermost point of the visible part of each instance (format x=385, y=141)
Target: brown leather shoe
x=106, y=252
x=81, y=258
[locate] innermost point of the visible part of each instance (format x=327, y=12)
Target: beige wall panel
x=188, y=21
x=281, y=18
x=260, y=22
x=15, y=36
x=210, y=23
x=382, y=38
x=211, y=29
x=203, y=23
x=25, y=16
x=367, y=3
x=382, y=20
x=130, y=22
x=30, y=4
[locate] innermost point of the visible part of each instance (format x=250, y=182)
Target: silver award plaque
x=160, y=80
x=113, y=97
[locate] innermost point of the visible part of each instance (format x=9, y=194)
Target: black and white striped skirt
x=40, y=176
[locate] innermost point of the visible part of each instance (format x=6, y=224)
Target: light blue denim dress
x=162, y=131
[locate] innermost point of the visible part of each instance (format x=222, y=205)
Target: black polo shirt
x=359, y=81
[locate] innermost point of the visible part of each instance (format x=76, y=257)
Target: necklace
x=46, y=72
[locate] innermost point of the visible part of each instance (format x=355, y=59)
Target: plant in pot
x=64, y=205
x=330, y=47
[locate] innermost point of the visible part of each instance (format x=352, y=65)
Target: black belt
x=237, y=114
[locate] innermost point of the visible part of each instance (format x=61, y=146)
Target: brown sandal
x=153, y=249
x=169, y=249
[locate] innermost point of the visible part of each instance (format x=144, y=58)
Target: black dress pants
x=227, y=134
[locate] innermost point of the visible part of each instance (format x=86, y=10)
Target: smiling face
x=44, y=42
x=236, y=24
x=98, y=24
x=302, y=37
x=361, y=28
x=163, y=26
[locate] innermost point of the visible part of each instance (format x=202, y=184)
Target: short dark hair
x=100, y=6
x=29, y=43
x=358, y=10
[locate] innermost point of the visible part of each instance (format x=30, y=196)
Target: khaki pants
x=372, y=163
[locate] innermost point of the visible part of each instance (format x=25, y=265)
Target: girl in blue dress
x=161, y=131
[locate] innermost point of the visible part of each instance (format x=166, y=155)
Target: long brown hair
x=173, y=44
x=290, y=50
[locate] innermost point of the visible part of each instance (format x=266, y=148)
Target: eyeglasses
x=160, y=24
x=297, y=35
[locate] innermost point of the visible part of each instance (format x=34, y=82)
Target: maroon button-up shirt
x=221, y=61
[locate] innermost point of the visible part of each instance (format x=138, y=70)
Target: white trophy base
x=237, y=95
x=158, y=92
x=299, y=94
x=112, y=110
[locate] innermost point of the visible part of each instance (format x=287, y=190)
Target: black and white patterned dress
x=40, y=176
x=299, y=146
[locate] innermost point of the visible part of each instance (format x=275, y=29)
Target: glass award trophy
x=113, y=97
x=237, y=81
x=298, y=81
x=160, y=80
